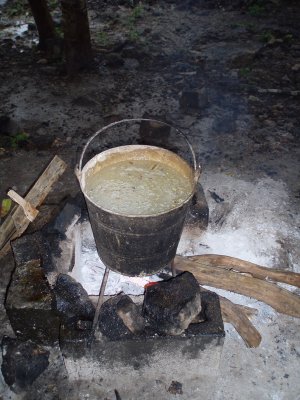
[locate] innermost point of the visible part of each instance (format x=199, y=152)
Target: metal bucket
x=137, y=245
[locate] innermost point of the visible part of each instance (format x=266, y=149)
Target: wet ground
x=227, y=74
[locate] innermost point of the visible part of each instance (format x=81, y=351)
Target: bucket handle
x=197, y=167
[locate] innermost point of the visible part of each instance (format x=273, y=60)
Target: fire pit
x=54, y=290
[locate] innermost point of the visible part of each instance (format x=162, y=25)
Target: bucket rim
x=132, y=147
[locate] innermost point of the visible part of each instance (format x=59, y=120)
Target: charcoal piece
x=22, y=362
x=110, y=323
x=175, y=388
x=30, y=304
x=32, y=247
x=153, y=133
x=72, y=301
x=170, y=306
x=189, y=101
x=130, y=314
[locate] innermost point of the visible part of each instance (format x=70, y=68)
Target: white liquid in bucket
x=138, y=187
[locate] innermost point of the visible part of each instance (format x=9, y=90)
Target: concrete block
x=145, y=367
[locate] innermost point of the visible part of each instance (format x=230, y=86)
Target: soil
x=228, y=74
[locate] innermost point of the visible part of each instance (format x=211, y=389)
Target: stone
x=30, y=305
x=114, y=60
x=67, y=218
x=32, y=247
x=22, y=362
x=170, y=306
x=72, y=301
x=189, y=101
x=8, y=126
x=175, y=388
x=113, y=313
x=154, y=134
x=130, y=313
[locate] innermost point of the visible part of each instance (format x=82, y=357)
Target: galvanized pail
x=137, y=245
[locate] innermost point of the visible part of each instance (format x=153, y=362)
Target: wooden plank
x=257, y=271
x=16, y=222
x=280, y=299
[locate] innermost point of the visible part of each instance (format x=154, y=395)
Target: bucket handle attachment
x=197, y=167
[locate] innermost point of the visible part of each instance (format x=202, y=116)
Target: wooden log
x=280, y=299
x=236, y=315
x=257, y=271
x=17, y=222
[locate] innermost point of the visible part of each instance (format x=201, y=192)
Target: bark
x=257, y=271
x=77, y=41
x=280, y=299
x=44, y=23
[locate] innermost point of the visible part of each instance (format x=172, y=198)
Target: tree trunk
x=44, y=23
x=78, y=50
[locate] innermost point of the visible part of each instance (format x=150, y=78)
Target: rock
x=30, y=304
x=115, y=313
x=114, y=60
x=130, y=314
x=296, y=67
x=8, y=126
x=72, y=301
x=203, y=100
x=188, y=101
x=84, y=101
x=175, y=388
x=225, y=124
x=67, y=218
x=22, y=362
x=153, y=133
x=170, y=306
x=33, y=247
x=42, y=61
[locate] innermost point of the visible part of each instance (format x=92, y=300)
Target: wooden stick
x=257, y=271
x=16, y=222
x=234, y=314
x=29, y=211
x=238, y=316
x=280, y=299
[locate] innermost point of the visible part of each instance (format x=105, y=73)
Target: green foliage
x=53, y=4
x=16, y=8
x=244, y=72
x=256, y=9
x=136, y=13
x=131, y=22
x=102, y=38
x=266, y=36
x=288, y=37
x=18, y=139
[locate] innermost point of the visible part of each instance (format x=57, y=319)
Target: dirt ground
x=228, y=74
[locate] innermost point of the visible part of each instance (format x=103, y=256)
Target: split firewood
x=257, y=271
x=237, y=315
x=20, y=217
x=280, y=299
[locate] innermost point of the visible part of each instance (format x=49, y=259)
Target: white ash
x=89, y=269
